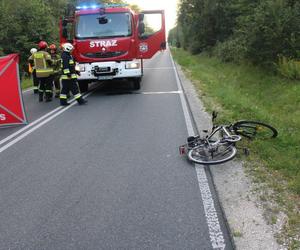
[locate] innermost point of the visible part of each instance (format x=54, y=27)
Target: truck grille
x=105, y=54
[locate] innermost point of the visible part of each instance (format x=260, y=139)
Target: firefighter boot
x=63, y=102
x=81, y=101
x=48, y=97
x=41, y=96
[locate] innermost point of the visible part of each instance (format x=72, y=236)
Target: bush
x=233, y=50
x=289, y=68
x=271, y=29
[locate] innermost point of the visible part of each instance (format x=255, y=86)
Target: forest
x=265, y=33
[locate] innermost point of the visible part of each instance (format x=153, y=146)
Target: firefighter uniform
x=31, y=70
x=36, y=82
x=44, y=72
x=56, y=67
x=69, y=80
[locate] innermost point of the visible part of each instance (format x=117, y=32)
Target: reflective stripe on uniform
x=35, y=87
x=62, y=96
x=77, y=96
x=71, y=62
x=38, y=55
x=66, y=71
x=48, y=91
x=65, y=77
x=44, y=70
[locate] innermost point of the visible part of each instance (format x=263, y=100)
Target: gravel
x=241, y=205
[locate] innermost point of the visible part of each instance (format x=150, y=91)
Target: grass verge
x=26, y=83
x=246, y=92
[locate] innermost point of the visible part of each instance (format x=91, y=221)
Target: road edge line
x=215, y=231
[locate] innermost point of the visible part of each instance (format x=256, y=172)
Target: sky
x=170, y=7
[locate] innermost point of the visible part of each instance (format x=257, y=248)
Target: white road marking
x=159, y=93
x=159, y=68
x=214, y=228
x=29, y=126
x=19, y=138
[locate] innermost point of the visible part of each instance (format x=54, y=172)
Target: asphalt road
x=108, y=175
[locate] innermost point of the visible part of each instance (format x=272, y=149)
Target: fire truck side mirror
x=141, y=28
x=65, y=32
x=141, y=17
x=64, y=28
x=64, y=23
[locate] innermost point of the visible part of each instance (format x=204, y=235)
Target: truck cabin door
x=151, y=33
x=66, y=30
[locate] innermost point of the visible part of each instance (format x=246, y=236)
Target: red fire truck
x=111, y=41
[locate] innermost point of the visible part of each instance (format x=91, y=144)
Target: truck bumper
x=110, y=70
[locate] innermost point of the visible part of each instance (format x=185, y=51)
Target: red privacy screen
x=11, y=104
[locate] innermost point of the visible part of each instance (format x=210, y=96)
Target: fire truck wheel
x=137, y=83
x=83, y=86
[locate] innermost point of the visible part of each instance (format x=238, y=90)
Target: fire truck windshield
x=117, y=25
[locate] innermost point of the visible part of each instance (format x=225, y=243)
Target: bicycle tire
x=201, y=155
x=254, y=129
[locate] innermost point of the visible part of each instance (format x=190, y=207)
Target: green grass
x=245, y=92
x=26, y=83
x=241, y=92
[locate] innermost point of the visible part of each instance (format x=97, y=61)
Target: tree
x=23, y=27
x=255, y=30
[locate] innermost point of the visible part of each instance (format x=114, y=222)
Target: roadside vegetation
x=265, y=33
x=26, y=83
x=244, y=58
x=248, y=92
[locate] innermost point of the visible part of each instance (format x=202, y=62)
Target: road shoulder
x=235, y=190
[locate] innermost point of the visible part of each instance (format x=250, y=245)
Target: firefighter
x=44, y=71
x=31, y=70
x=69, y=77
x=56, y=67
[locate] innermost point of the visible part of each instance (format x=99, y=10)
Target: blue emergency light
x=115, y=5
x=84, y=5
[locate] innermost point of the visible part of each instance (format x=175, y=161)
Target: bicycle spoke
x=208, y=155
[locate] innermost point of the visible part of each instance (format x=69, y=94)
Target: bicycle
x=219, y=145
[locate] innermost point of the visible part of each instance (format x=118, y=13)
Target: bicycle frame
x=229, y=137
x=219, y=145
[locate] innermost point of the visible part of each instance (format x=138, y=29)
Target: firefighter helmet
x=52, y=47
x=43, y=45
x=68, y=47
x=33, y=50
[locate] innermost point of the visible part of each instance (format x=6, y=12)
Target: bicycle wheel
x=203, y=154
x=251, y=129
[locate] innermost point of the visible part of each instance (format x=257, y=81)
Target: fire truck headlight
x=80, y=67
x=132, y=65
